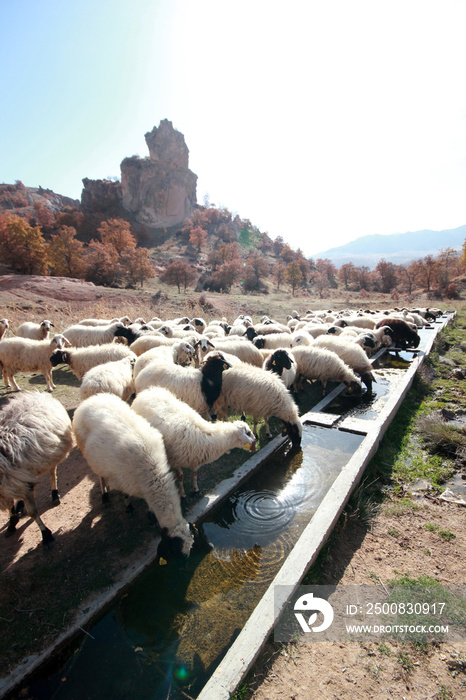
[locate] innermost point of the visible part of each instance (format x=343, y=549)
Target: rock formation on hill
x=158, y=191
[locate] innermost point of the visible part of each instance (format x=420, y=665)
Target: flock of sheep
x=151, y=392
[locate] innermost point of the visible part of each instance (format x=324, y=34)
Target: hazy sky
x=320, y=121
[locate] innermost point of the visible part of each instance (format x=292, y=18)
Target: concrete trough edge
x=246, y=648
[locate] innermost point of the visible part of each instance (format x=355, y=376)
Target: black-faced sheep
x=260, y=394
x=282, y=362
x=324, y=365
x=128, y=454
x=272, y=341
x=25, y=355
x=198, y=387
x=35, y=436
x=190, y=441
x=402, y=334
x=81, y=360
x=35, y=331
x=110, y=378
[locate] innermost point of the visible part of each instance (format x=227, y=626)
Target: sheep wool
x=324, y=365
x=81, y=360
x=35, y=436
x=26, y=355
x=111, y=378
x=260, y=394
x=128, y=454
x=190, y=441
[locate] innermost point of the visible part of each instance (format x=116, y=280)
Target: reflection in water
x=176, y=622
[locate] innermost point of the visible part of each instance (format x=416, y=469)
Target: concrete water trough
x=199, y=629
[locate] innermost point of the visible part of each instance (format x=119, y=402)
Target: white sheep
x=151, y=340
x=321, y=364
x=109, y=378
x=246, y=351
x=252, y=390
x=35, y=436
x=81, y=360
x=351, y=354
x=4, y=325
x=198, y=387
x=81, y=336
x=190, y=441
x=104, y=321
x=273, y=341
x=26, y=355
x=35, y=331
x=128, y=454
x=180, y=353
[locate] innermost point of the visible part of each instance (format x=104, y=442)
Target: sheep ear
x=66, y=341
x=211, y=344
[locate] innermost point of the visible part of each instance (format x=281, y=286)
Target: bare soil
x=43, y=591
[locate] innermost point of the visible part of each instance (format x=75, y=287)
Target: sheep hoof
x=55, y=497
x=195, y=492
x=47, y=538
x=105, y=499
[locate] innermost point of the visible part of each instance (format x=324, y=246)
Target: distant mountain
x=397, y=248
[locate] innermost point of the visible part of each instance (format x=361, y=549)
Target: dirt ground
x=42, y=590
x=367, y=555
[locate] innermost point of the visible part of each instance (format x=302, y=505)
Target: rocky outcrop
x=101, y=196
x=160, y=191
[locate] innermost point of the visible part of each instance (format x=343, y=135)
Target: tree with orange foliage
x=180, y=273
x=293, y=275
x=198, y=237
x=227, y=274
x=22, y=246
x=117, y=232
x=425, y=271
x=346, y=273
x=66, y=254
x=279, y=274
x=44, y=217
x=136, y=265
x=102, y=263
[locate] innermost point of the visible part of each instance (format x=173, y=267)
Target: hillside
x=397, y=248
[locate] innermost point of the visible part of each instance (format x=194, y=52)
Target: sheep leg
x=53, y=483
x=104, y=491
x=19, y=509
x=14, y=518
x=49, y=381
x=47, y=537
x=11, y=377
x=267, y=429
x=180, y=479
x=194, y=484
